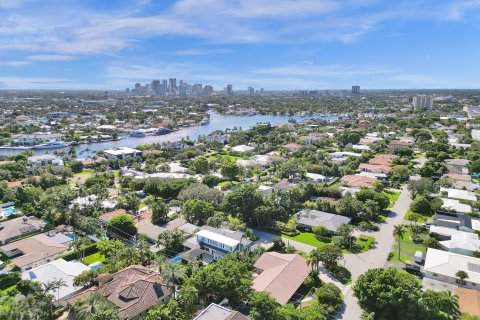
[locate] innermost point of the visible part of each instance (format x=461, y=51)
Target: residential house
x=19, y=227
x=56, y=270
x=307, y=218
x=216, y=242
x=358, y=181
x=242, y=148
x=92, y=162
x=443, y=265
x=458, y=166
x=461, y=242
x=361, y=147
x=292, y=147
x=175, y=146
x=455, y=205
x=42, y=161
x=34, y=251
x=132, y=290
x=382, y=159
x=121, y=153
x=281, y=275
x=461, y=222
x=218, y=138
x=315, y=177
x=152, y=231
x=375, y=168
x=107, y=216
x=399, y=144
x=459, y=194
x=458, y=177
x=217, y=312
x=285, y=185
x=30, y=140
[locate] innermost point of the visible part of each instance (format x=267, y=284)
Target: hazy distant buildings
x=229, y=90
x=172, y=85
x=422, y=102
x=251, y=91
x=355, y=89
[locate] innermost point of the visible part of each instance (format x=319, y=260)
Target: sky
x=271, y=44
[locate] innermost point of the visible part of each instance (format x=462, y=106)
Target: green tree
x=345, y=232
x=329, y=296
x=159, y=212
x=382, y=290
x=421, y=205
x=130, y=202
x=380, y=198
x=461, y=276
x=198, y=211
x=95, y=307
x=243, y=202
x=229, y=170
x=172, y=240
x=122, y=225
x=400, y=172
x=262, y=306
x=202, y=192
x=229, y=277
x=314, y=259
x=349, y=206
x=398, y=233
x=200, y=165
x=330, y=254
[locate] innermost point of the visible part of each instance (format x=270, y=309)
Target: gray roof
x=314, y=218
x=17, y=227
x=216, y=312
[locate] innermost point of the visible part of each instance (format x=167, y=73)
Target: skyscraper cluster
x=171, y=87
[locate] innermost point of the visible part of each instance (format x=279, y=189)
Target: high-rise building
x=356, y=89
x=422, y=102
x=155, y=86
x=197, y=88
x=183, y=90
x=251, y=91
x=229, y=90
x=172, y=85
x=208, y=90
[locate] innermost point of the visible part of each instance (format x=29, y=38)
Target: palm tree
x=173, y=272
x=58, y=283
x=461, y=276
x=415, y=230
x=452, y=301
x=313, y=259
x=398, y=232
x=94, y=307
x=78, y=246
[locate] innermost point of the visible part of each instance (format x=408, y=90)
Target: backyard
x=407, y=248
x=363, y=242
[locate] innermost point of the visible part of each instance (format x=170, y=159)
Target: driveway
x=358, y=264
x=265, y=238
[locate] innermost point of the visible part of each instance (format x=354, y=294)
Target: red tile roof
x=280, y=274
x=382, y=159
x=358, y=181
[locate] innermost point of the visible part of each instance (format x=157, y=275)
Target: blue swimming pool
x=71, y=236
x=9, y=211
x=176, y=259
x=96, y=265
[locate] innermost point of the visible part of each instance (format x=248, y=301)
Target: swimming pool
x=9, y=211
x=176, y=259
x=96, y=265
x=71, y=236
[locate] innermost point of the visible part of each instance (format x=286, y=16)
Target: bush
x=91, y=249
x=390, y=255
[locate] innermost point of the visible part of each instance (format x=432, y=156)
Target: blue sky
x=274, y=44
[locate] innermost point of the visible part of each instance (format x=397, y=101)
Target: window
x=435, y=275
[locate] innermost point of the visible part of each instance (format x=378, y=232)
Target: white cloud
x=51, y=57
x=13, y=63
x=201, y=52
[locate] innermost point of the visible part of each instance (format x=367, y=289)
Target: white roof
x=122, y=151
x=372, y=174
x=452, y=204
x=461, y=194
x=444, y=231
x=242, y=148
x=165, y=175
x=344, y=154
x=315, y=176
x=218, y=237
x=57, y=269
x=448, y=263
x=462, y=240
x=360, y=147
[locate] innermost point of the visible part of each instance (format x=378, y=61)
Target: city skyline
x=276, y=45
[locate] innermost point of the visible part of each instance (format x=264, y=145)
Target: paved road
x=358, y=264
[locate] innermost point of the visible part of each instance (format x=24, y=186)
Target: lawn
x=403, y=257
x=307, y=238
x=83, y=172
x=411, y=249
x=392, y=195
x=421, y=218
x=94, y=258
x=233, y=182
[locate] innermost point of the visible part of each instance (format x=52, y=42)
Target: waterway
x=217, y=122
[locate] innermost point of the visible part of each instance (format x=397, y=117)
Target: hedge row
x=91, y=249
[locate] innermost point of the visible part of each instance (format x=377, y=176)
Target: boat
x=205, y=121
x=161, y=131
x=50, y=145
x=140, y=133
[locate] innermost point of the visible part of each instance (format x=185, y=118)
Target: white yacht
x=51, y=145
